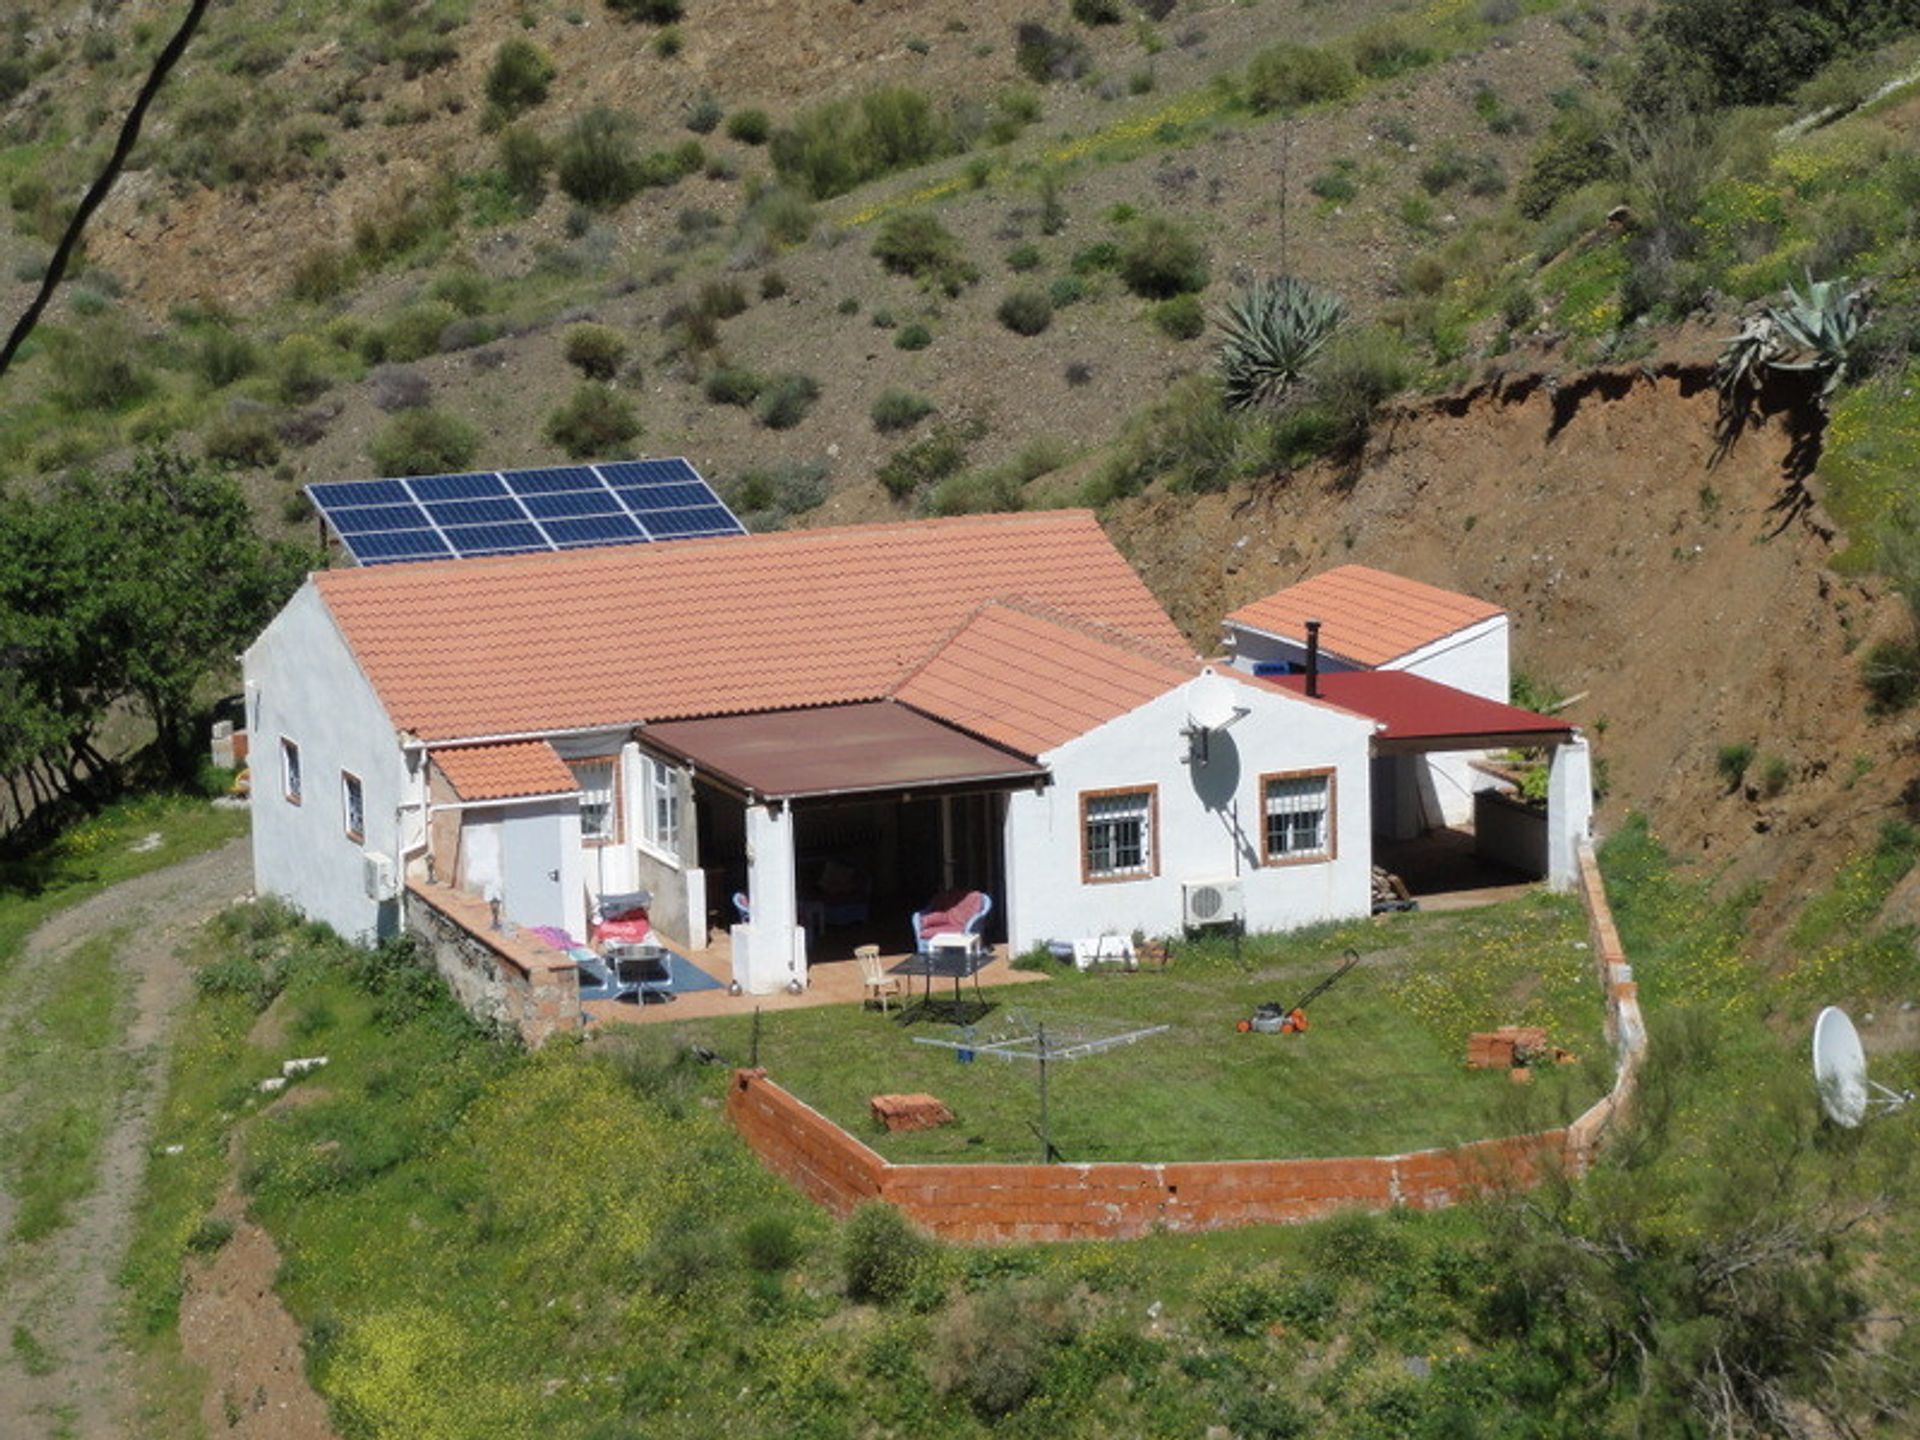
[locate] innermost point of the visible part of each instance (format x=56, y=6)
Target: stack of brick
x=910, y=1112
x=1506, y=1047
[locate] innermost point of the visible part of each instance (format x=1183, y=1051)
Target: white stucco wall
x=1476, y=660
x=1209, y=821
x=303, y=683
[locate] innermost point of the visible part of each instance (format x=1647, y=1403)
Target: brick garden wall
x=1002, y=1203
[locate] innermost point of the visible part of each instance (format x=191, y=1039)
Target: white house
x=1368, y=619
x=807, y=735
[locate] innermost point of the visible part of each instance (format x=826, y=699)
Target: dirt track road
x=77, y=1381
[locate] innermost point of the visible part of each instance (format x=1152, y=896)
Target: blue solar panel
x=493, y=539
x=360, y=492
x=430, y=517
x=650, y=472
x=456, y=487
x=476, y=512
x=577, y=502
x=398, y=545
x=358, y=519
x=710, y=520
x=596, y=530
x=666, y=497
x=546, y=482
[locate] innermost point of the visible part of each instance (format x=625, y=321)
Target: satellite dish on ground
x=1840, y=1070
x=1210, y=702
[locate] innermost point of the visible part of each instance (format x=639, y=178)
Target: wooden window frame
x=295, y=793
x=618, y=837
x=1331, y=774
x=1152, y=871
x=348, y=778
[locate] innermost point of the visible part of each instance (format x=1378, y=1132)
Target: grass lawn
x=1380, y=1071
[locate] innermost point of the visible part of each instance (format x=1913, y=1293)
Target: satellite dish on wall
x=1210, y=702
x=1840, y=1070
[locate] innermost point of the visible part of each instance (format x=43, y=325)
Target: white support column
x=775, y=952
x=1569, y=811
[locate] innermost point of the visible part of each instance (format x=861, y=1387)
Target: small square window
x=290, y=770
x=1117, y=835
x=598, y=815
x=1298, y=816
x=353, y=806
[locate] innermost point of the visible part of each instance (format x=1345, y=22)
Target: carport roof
x=872, y=747
x=1417, y=714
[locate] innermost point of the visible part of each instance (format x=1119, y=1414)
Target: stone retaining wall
x=1008, y=1203
x=509, y=979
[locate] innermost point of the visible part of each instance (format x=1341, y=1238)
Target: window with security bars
x=659, y=806
x=1118, y=834
x=1299, y=816
x=597, y=814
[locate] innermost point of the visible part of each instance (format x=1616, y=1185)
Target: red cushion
x=627, y=932
x=935, y=922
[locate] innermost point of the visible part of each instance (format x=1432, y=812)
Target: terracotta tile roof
x=502, y=772
x=1368, y=616
x=621, y=634
x=1031, y=679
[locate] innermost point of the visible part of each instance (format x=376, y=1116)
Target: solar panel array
x=514, y=512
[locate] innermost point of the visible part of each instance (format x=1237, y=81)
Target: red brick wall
x=1000, y=1203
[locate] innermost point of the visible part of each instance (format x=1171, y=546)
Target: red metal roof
x=1367, y=616
x=838, y=750
x=1420, y=713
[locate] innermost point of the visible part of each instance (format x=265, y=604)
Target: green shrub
x=770, y=1244
x=1576, y=152
x=414, y=333
x=96, y=366
x=245, y=437
x=829, y=149
x=524, y=159
x=595, y=420
x=1282, y=77
x=1045, y=55
x=1890, y=671
x=785, y=400
x=1160, y=258
x=423, y=442
x=750, y=126
x=649, y=12
x=1099, y=256
x=885, y=1256
x=1775, y=774
x=1027, y=311
x=1732, y=761
x=1189, y=438
x=899, y=410
x=210, y=1235
x=1358, y=372
x=598, y=163
x=1241, y=1303
x=994, y=1348
x=791, y=487
x=733, y=385
x=722, y=299
x=520, y=77
x=1181, y=318
x=301, y=369
x=596, y=351
x=914, y=242
x=934, y=457
x=1065, y=290
x=1382, y=51
x=913, y=337
x=1446, y=169
x=1095, y=12
x=222, y=357
x=1023, y=258
x=669, y=42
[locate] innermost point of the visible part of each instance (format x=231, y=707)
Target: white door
x=532, y=844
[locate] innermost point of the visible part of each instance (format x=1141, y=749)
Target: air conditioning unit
x=1213, y=902
x=378, y=875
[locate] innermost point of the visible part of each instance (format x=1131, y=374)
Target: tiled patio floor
x=829, y=982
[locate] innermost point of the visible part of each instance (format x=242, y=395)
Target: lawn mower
x=1274, y=1018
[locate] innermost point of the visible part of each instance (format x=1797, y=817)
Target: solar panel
x=560, y=507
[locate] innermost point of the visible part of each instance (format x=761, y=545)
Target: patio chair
x=954, y=913
x=879, y=984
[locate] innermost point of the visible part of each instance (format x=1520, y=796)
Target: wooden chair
x=879, y=984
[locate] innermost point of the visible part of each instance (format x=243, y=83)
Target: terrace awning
x=869, y=748
x=1417, y=715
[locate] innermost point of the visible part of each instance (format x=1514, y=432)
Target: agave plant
x=1813, y=332
x=1274, y=328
